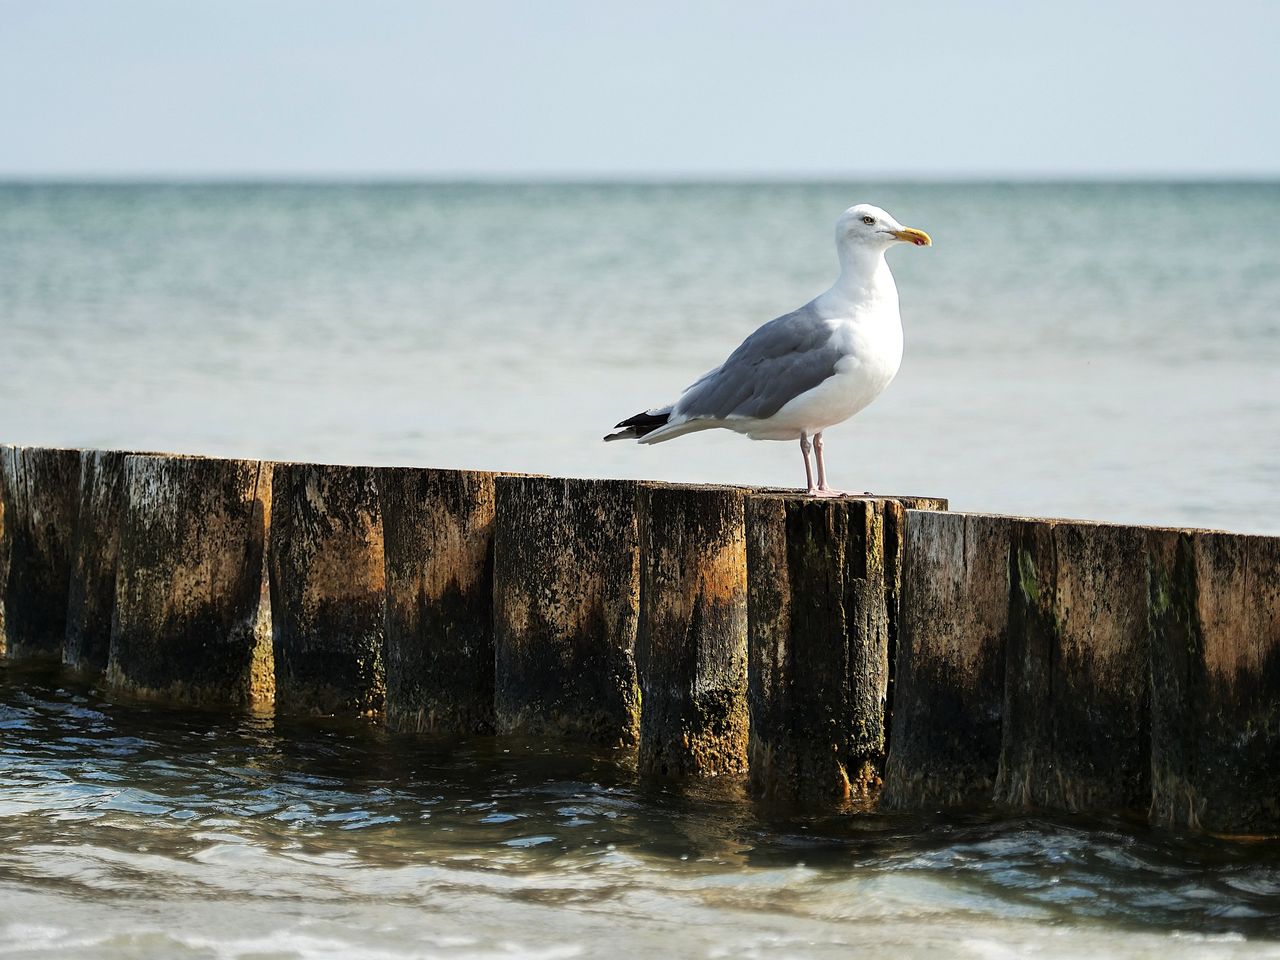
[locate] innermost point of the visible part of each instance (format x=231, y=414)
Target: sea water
x=1105, y=351
x=140, y=831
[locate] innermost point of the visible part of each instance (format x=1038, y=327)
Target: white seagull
x=809, y=369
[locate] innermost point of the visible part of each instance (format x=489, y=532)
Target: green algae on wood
x=326, y=575
x=566, y=606
x=192, y=609
x=1214, y=620
x=438, y=545
x=691, y=645
x=1076, y=717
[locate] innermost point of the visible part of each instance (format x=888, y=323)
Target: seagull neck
x=864, y=275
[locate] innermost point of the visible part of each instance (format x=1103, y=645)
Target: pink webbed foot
x=829, y=492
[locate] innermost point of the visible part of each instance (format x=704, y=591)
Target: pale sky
x=593, y=88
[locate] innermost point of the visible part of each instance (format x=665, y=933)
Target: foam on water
x=140, y=831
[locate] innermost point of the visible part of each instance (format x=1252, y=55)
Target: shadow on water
x=165, y=796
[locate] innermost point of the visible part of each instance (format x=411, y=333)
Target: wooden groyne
x=868, y=652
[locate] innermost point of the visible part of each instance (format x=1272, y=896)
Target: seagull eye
x=868, y=219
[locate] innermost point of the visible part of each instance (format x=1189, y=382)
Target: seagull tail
x=642, y=424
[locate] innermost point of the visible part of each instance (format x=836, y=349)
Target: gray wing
x=778, y=362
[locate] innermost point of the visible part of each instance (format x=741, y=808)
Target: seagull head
x=867, y=227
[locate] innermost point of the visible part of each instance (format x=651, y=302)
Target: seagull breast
x=868, y=347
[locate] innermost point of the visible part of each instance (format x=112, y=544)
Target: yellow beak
x=918, y=237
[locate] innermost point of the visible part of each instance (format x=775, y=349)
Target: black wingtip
x=633, y=428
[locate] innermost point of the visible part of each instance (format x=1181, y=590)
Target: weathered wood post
x=42, y=493
x=1215, y=680
x=8, y=492
x=948, y=697
x=326, y=572
x=438, y=528
x=691, y=644
x=1076, y=730
x=192, y=620
x=566, y=599
x=818, y=646
x=92, y=596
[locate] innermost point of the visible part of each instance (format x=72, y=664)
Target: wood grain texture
x=42, y=496
x=566, y=607
x=948, y=697
x=818, y=647
x=438, y=527
x=91, y=598
x=192, y=621
x=327, y=577
x=691, y=646
x=1076, y=717
x=826, y=645
x=8, y=517
x=1215, y=681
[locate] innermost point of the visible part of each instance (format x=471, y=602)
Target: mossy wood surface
x=1077, y=719
x=826, y=644
x=1215, y=681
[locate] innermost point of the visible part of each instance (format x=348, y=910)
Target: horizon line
x=639, y=179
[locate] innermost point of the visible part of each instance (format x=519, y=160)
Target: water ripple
x=104, y=805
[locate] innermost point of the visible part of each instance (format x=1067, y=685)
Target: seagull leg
x=805, y=448
x=823, y=490
x=822, y=467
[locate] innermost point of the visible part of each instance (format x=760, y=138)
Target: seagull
x=809, y=369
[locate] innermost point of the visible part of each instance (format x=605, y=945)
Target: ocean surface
x=1109, y=351
x=131, y=831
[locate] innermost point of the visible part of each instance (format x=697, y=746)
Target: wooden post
x=326, y=570
x=1215, y=681
x=92, y=596
x=8, y=517
x=1076, y=731
x=948, y=697
x=192, y=621
x=42, y=490
x=439, y=598
x=818, y=647
x=566, y=598
x=691, y=645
